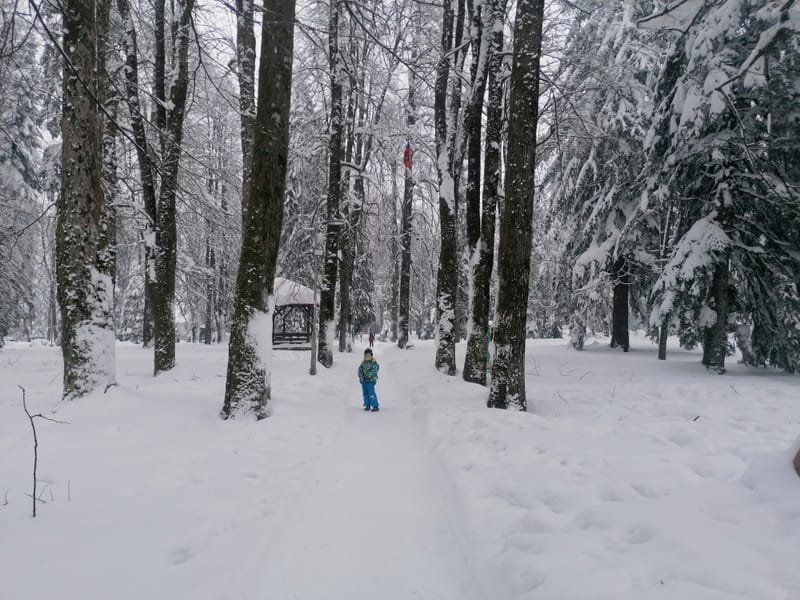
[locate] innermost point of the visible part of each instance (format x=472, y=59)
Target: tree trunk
x=404, y=300
x=447, y=272
x=394, y=302
x=715, y=346
x=477, y=355
x=84, y=252
x=327, y=301
x=143, y=156
x=508, y=370
x=247, y=387
x=620, y=335
x=663, y=333
x=162, y=296
x=797, y=463
x=246, y=63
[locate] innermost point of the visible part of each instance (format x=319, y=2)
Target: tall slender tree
x=327, y=302
x=482, y=247
x=508, y=370
x=247, y=387
x=404, y=299
x=445, y=122
x=84, y=250
x=246, y=63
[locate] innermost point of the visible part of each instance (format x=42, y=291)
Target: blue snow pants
x=370, y=398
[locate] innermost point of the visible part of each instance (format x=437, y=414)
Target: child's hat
x=368, y=351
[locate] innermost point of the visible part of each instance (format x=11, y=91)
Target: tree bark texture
x=143, y=157
x=508, y=370
x=715, y=344
x=620, y=336
x=476, y=360
x=162, y=295
x=246, y=63
x=394, y=302
x=663, y=334
x=404, y=300
x=327, y=301
x=247, y=387
x=84, y=251
x=447, y=272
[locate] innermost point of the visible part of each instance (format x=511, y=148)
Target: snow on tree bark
x=84, y=250
x=476, y=359
x=508, y=370
x=247, y=387
x=162, y=295
x=327, y=304
x=447, y=272
x=404, y=300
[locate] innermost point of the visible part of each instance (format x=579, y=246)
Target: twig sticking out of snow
x=35, y=444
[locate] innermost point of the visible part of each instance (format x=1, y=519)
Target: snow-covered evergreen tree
x=724, y=150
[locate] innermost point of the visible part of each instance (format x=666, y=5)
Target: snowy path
x=375, y=521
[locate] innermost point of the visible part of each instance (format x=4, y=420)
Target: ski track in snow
x=374, y=522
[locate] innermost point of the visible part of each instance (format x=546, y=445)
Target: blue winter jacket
x=368, y=370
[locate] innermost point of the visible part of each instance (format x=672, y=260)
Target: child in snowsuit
x=368, y=377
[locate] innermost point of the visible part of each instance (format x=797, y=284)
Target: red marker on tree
x=407, y=154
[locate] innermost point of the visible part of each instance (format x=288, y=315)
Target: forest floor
x=629, y=479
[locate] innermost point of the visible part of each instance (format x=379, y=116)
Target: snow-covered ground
x=631, y=479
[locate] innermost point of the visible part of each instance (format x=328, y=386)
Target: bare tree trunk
x=715, y=345
x=162, y=296
x=476, y=360
x=508, y=371
x=327, y=304
x=246, y=62
x=394, y=307
x=143, y=153
x=84, y=252
x=247, y=387
x=663, y=333
x=404, y=300
x=620, y=335
x=447, y=272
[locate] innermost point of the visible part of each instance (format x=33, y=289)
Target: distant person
x=371, y=339
x=368, y=377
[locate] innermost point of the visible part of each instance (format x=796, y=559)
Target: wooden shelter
x=293, y=319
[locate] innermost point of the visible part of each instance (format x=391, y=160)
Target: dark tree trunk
x=347, y=236
x=84, y=249
x=246, y=62
x=715, y=344
x=394, y=302
x=663, y=334
x=210, y=277
x=247, y=387
x=327, y=301
x=404, y=300
x=508, y=371
x=143, y=155
x=476, y=360
x=162, y=295
x=620, y=335
x=447, y=272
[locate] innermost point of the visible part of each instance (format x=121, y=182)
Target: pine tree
x=723, y=149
